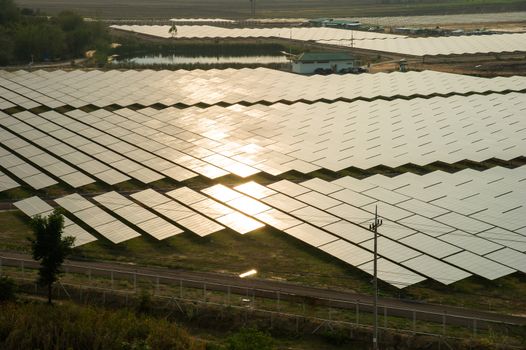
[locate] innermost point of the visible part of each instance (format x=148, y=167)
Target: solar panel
x=392, y=250
x=6, y=183
x=436, y=269
x=178, y=213
x=479, y=265
x=222, y=193
x=112, y=200
x=211, y=208
x=35, y=206
x=393, y=274
x=470, y=242
x=349, y=232
x=430, y=245
x=74, y=203
x=509, y=257
x=255, y=190
x=318, y=200
x=201, y=225
x=289, y=188
x=315, y=216
x=117, y=232
x=99, y=220
x=159, y=228
x=186, y=195
x=347, y=252
x=150, y=197
x=506, y=238
x=277, y=219
x=240, y=223
x=311, y=235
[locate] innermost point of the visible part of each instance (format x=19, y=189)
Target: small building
x=323, y=62
x=335, y=23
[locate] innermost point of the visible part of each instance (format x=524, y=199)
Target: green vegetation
x=68, y=326
x=7, y=289
x=28, y=36
x=131, y=46
x=50, y=247
x=250, y=339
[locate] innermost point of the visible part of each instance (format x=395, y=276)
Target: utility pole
x=374, y=228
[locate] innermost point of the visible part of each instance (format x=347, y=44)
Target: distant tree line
x=30, y=36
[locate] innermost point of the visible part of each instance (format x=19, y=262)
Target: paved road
x=285, y=291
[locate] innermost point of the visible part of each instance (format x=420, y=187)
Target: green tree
x=49, y=247
x=7, y=45
x=8, y=12
x=69, y=21
x=40, y=41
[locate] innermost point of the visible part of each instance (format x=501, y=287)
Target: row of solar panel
x=157, y=221
x=458, y=45
x=78, y=88
x=334, y=218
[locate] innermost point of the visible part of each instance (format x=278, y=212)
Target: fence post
x=444, y=323
x=385, y=317
x=297, y=324
x=414, y=321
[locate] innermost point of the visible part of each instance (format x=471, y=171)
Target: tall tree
x=49, y=247
x=8, y=12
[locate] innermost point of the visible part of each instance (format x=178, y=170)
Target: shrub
x=250, y=339
x=7, y=289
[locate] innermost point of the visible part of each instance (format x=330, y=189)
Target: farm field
x=269, y=9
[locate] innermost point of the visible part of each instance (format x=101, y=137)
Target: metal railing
x=272, y=303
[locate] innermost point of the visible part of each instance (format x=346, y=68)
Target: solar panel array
x=301, y=33
x=177, y=212
x=149, y=145
x=135, y=214
x=146, y=87
x=464, y=44
x=33, y=206
x=451, y=45
x=439, y=226
x=429, y=237
x=100, y=221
